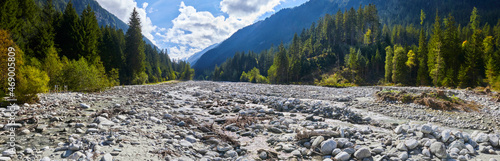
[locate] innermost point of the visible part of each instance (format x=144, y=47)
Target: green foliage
x=134, y=52
x=474, y=19
x=335, y=80
x=253, y=76
x=399, y=69
x=140, y=78
x=90, y=33
x=388, y=63
x=436, y=58
x=83, y=76
x=187, y=73
x=53, y=66
x=30, y=82
x=411, y=59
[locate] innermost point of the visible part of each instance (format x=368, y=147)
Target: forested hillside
x=353, y=47
x=56, y=49
x=104, y=18
x=281, y=26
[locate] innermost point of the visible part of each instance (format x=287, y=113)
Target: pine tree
x=44, y=40
x=68, y=36
x=388, y=63
x=471, y=72
x=281, y=61
x=452, y=52
x=436, y=61
x=399, y=71
x=134, y=52
x=90, y=33
x=491, y=65
x=295, y=59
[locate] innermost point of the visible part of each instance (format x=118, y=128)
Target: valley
x=201, y=120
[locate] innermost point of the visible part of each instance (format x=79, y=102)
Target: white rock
x=231, y=154
x=317, y=141
x=403, y=156
x=84, y=106
x=426, y=129
x=5, y=159
x=45, y=159
x=342, y=156
x=445, y=135
x=426, y=152
x=439, y=149
x=8, y=152
x=470, y=148
x=411, y=144
x=103, y=121
x=481, y=138
x=398, y=129
x=191, y=139
x=185, y=143
x=362, y=153
x=328, y=146
x=107, y=157
x=493, y=138
x=402, y=147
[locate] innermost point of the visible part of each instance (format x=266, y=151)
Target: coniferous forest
x=66, y=50
x=353, y=48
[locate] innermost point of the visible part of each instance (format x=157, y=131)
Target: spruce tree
x=68, y=36
x=436, y=61
x=90, y=34
x=134, y=52
x=399, y=72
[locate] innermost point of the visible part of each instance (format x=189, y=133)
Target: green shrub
x=30, y=81
x=82, y=76
x=140, y=79
x=335, y=80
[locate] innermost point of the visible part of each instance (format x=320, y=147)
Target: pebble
x=263, y=155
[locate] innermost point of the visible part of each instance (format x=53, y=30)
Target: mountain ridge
x=104, y=17
x=276, y=28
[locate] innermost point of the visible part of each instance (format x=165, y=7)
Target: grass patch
x=435, y=100
x=164, y=82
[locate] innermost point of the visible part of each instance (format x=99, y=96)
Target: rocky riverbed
x=242, y=121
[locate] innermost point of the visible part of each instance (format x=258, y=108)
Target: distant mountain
x=104, y=17
x=194, y=58
x=281, y=26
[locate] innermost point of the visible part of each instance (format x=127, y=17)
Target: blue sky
x=184, y=27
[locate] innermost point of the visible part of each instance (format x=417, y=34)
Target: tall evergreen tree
x=470, y=75
x=90, y=34
x=436, y=61
x=134, y=52
x=399, y=72
x=68, y=36
x=44, y=40
x=422, y=73
x=452, y=52
x=388, y=63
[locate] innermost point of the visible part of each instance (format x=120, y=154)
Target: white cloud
x=194, y=30
x=123, y=8
x=248, y=9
